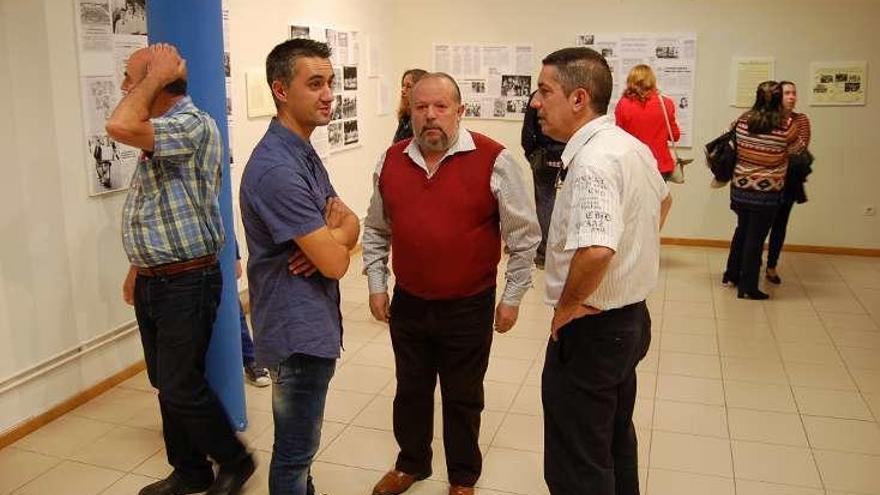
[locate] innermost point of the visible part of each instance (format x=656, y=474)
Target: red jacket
x=644, y=120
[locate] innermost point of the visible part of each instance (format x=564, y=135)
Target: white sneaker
x=258, y=377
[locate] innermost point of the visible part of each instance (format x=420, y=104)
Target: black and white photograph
x=840, y=77
x=851, y=87
x=516, y=105
x=336, y=112
x=499, y=110
x=683, y=102
x=95, y=23
x=854, y=78
x=607, y=52
x=350, y=76
x=334, y=134
x=516, y=85
x=297, y=32
x=227, y=68
x=349, y=107
x=473, y=109
x=350, y=127
x=105, y=153
x=820, y=89
x=337, y=79
x=478, y=87
x=100, y=93
x=585, y=39
x=826, y=79
x=130, y=17
x=667, y=52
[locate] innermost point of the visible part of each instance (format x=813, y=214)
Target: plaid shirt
x=172, y=212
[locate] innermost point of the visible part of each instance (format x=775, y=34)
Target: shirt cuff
x=377, y=280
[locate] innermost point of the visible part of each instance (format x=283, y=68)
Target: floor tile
x=753, y=370
x=128, y=485
x=521, y=432
x=819, y=376
x=18, y=467
x=513, y=471
x=72, y=478
x=357, y=378
x=508, y=370
x=690, y=389
x=695, y=419
x=528, y=401
x=62, y=437
x=343, y=406
x=696, y=365
x=664, y=482
x=862, y=437
x=766, y=426
x=690, y=453
x=846, y=472
x=759, y=396
x=362, y=447
x=831, y=403
x=695, y=344
x=122, y=448
x=775, y=464
x=747, y=487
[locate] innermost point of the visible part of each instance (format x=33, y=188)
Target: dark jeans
x=544, y=179
x=176, y=317
x=247, y=344
x=747, y=245
x=299, y=392
x=777, y=233
x=588, y=389
x=450, y=339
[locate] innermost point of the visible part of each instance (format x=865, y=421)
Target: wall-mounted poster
x=673, y=57
x=342, y=132
x=747, y=74
x=838, y=83
x=108, y=31
x=495, y=80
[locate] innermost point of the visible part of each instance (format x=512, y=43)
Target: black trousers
x=747, y=245
x=176, y=317
x=588, y=389
x=777, y=233
x=449, y=339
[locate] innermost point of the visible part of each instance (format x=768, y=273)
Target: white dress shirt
x=519, y=223
x=610, y=197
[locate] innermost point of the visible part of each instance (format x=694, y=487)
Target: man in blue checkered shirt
x=172, y=231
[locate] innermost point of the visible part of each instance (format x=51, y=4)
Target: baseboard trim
x=31, y=425
x=795, y=248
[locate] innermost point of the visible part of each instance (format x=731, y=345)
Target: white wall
x=795, y=32
x=61, y=262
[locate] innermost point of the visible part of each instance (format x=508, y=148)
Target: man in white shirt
x=602, y=262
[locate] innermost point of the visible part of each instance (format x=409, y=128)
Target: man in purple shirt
x=299, y=236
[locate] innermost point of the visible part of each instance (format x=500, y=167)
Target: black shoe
x=229, y=481
x=773, y=279
x=258, y=377
x=755, y=294
x=175, y=485
x=727, y=281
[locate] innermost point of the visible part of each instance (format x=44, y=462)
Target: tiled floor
x=780, y=397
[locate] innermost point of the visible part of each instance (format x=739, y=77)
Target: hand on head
x=166, y=63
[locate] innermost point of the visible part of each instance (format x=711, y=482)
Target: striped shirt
x=610, y=197
x=172, y=211
x=518, y=221
x=802, y=123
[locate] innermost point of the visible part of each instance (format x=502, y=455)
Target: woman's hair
x=403, y=106
x=783, y=84
x=640, y=83
x=766, y=113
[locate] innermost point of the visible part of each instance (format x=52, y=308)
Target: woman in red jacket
x=638, y=113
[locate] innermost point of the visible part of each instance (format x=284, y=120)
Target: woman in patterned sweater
x=794, y=182
x=764, y=141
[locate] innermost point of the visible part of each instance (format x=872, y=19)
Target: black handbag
x=721, y=156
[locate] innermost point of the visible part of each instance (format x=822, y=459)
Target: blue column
x=195, y=27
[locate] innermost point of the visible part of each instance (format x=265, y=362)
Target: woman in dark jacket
x=404, y=126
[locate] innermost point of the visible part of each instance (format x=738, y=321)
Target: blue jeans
x=299, y=392
x=247, y=344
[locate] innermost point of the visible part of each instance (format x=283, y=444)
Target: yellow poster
x=838, y=83
x=748, y=73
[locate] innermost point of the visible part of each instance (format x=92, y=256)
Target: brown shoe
x=394, y=483
x=461, y=490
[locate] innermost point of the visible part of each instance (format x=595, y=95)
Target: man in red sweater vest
x=442, y=202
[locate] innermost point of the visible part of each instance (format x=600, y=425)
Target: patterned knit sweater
x=761, y=163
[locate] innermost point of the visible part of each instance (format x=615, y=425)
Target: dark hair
x=282, y=59
x=585, y=68
x=415, y=73
x=782, y=84
x=443, y=75
x=176, y=88
x=766, y=113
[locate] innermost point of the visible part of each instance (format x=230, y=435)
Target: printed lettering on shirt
x=592, y=194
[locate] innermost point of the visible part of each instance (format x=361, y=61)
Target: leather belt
x=169, y=269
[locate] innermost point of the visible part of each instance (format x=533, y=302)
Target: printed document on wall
x=838, y=83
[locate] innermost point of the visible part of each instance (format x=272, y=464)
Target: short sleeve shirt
x=284, y=190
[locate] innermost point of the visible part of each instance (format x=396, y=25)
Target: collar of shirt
x=464, y=142
x=278, y=129
x=583, y=135
x=182, y=104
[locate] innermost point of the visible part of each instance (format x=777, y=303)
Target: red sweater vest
x=445, y=234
